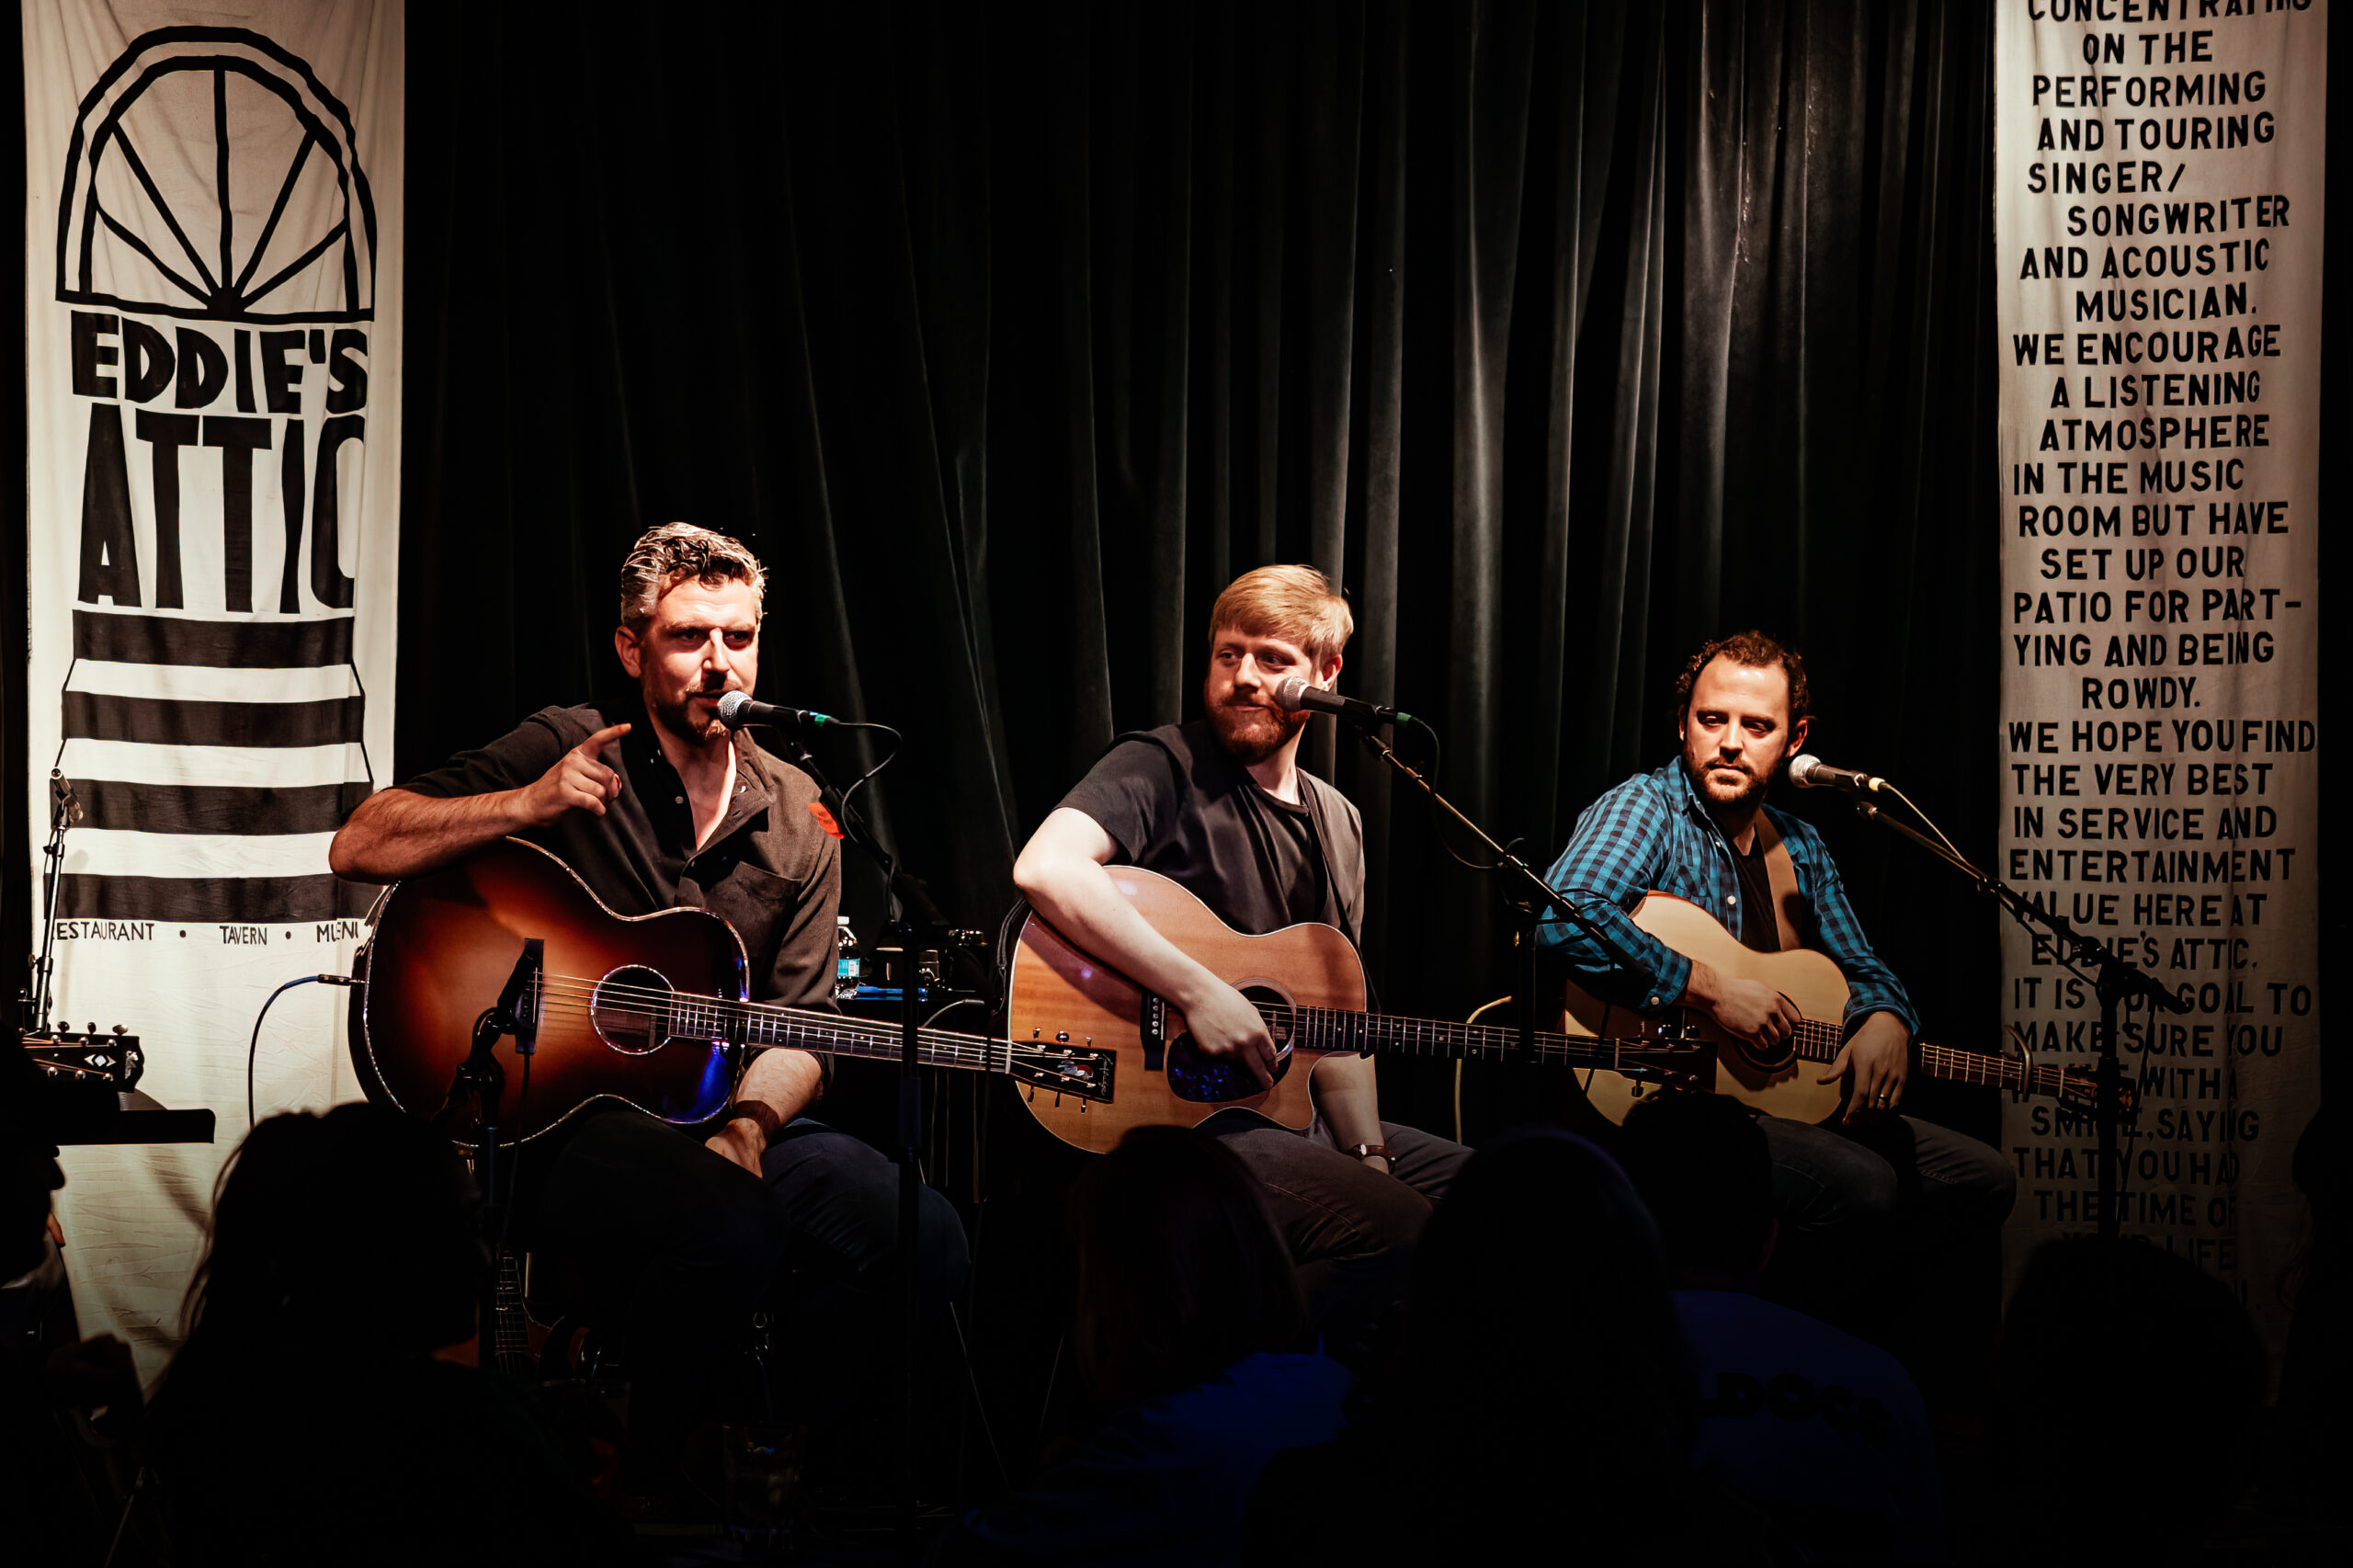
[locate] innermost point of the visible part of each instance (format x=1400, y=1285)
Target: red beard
x=1252, y=732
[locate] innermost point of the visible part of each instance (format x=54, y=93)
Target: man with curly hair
x=656, y=804
x=1699, y=828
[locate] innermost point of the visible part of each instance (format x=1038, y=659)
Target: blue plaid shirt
x=1654, y=833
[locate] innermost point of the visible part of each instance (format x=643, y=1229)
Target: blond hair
x=662, y=558
x=1298, y=604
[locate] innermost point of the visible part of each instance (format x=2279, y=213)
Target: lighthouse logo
x=267, y=218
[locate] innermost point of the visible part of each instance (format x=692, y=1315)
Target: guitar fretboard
x=722, y=1021
x=1333, y=1028
x=1816, y=1040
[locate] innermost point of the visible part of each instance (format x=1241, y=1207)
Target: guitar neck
x=808, y=1029
x=1333, y=1028
x=1818, y=1041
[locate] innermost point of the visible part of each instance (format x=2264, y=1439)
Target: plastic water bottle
x=845, y=960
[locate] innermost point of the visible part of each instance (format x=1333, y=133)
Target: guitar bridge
x=1081, y=1070
x=1152, y=1029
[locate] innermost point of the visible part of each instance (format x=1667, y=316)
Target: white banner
x=2157, y=225
x=212, y=374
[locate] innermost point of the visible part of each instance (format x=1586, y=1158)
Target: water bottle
x=845, y=960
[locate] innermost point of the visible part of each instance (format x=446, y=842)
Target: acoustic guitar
x=1779, y=1083
x=652, y=1010
x=1308, y=984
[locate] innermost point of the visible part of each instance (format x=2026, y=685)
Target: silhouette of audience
x=1189, y=1329
x=1823, y=1431
x=1539, y=1404
x=2312, y=1445
x=2128, y=1386
x=306, y=1418
x=55, y=1494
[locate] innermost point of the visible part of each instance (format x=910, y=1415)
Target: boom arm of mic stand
x=2073, y=943
x=1546, y=896
x=2114, y=977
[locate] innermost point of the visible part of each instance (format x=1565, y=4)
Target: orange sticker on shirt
x=824, y=818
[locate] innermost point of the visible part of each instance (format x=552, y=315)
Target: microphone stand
x=1536, y=894
x=2114, y=978
x=918, y=924
x=474, y=1091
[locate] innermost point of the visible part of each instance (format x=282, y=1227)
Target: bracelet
x=757, y=1111
x=1372, y=1150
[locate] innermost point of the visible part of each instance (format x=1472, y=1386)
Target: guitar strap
x=1783, y=874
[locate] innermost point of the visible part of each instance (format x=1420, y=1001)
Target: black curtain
x=1566, y=335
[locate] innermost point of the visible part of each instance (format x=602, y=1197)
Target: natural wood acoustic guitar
x=652, y=1010
x=1780, y=1083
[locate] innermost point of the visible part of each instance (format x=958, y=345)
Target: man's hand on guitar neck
x=1748, y=1010
x=1879, y=1055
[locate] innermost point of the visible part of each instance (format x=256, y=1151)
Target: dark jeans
x=1351, y=1230
x=675, y=1246
x=1868, y=1212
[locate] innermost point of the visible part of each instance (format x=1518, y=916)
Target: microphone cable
x=252, y=1046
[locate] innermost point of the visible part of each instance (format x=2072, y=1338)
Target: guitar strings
x=567, y=994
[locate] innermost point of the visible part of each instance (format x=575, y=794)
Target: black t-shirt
x=1758, y=929
x=770, y=870
x=1176, y=803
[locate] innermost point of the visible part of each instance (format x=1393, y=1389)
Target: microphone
x=1810, y=772
x=737, y=709
x=1295, y=694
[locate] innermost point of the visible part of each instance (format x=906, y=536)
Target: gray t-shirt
x=1177, y=803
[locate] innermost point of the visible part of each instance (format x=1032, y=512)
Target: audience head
x=1540, y=1327
x=1181, y=1271
x=28, y=1169
x=1702, y=1166
x=2113, y=1351
x=359, y=1223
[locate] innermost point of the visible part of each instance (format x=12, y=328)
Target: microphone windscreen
x=1292, y=694
x=1801, y=770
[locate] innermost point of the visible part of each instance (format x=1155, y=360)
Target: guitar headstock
x=2079, y=1096
x=87, y=1056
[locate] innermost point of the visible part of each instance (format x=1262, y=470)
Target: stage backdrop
x=2158, y=226
x=212, y=390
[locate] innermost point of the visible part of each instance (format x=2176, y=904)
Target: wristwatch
x=1372, y=1151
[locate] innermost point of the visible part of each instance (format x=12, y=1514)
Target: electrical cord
x=897, y=740
x=253, y=1047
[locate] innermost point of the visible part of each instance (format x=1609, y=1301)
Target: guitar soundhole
x=631, y=1009
x=1202, y=1079
x=1765, y=1062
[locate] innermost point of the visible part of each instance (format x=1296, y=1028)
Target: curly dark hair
x=1756, y=650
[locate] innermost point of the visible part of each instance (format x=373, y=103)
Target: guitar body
x=441, y=951
x=1784, y=1088
x=1057, y=991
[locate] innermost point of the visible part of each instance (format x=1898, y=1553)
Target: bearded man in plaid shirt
x=1699, y=828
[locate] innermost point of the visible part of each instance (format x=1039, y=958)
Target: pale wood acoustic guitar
x=1779, y=1083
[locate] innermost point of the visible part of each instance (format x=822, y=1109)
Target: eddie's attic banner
x=213, y=375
